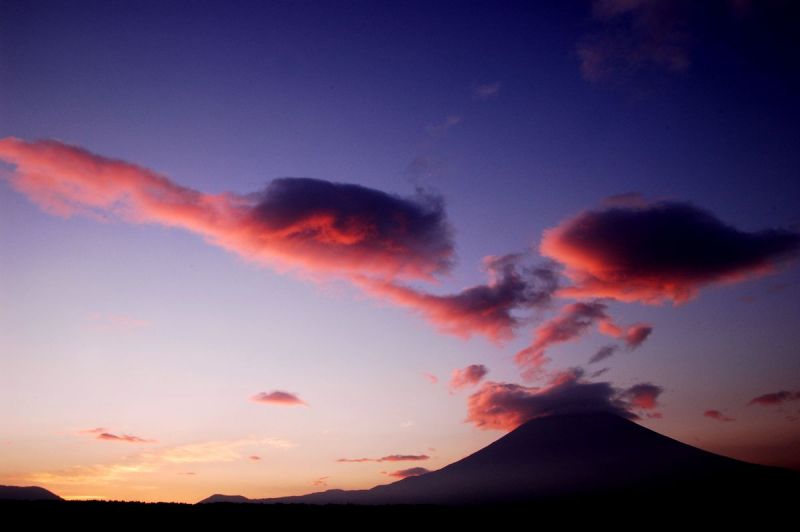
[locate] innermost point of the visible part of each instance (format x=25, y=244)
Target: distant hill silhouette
x=577, y=455
x=28, y=493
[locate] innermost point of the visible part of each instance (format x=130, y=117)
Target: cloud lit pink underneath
x=274, y=249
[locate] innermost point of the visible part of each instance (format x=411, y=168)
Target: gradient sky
x=517, y=117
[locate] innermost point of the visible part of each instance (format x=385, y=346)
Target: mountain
x=28, y=493
x=583, y=455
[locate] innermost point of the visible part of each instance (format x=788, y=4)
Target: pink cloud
x=389, y=458
x=254, y=458
x=410, y=472
x=103, y=434
x=430, y=377
x=643, y=396
x=469, y=376
x=657, y=252
x=278, y=397
x=487, y=309
x=307, y=224
x=716, y=414
x=775, y=398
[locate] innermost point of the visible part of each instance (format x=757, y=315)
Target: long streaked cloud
x=469, y=376
x=278, y=397
x=388, y=458
x=657, y=252
x=775, y=398
x=410, y=472
x=505, y=406
x=103, y=434
x=716, y=414
x=154, y=460
x=304, y=224
x=490, y=309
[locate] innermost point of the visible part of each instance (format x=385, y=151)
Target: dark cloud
x=599, y=372
x=337, y=222
x=505, y=406
x=487, y=309
x=410, y=472
x=603, y=353
x=278, y=397
x=775, y=398
x=716, y=414
x=469, y=376
x=661, y=251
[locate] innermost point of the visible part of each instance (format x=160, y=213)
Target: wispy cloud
x=406, y=473
x=388, y=458
x=486, y=91
x=101, y=433
x=469, y=376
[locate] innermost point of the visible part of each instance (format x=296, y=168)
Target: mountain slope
x=568, y=455
x=27, y=493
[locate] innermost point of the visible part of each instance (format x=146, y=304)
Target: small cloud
x=643, y=396
x=716, y=414
x=469, y=376
x=116, y=322
x=254, y=458
x=101, y=433
x=775, y=398
x=486, y=91
x=439, y=129
x=321, y=482
x=406, y=473
x=430, y=377
x=278, y=397
x=603, y=353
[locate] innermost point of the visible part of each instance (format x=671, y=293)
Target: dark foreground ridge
x=567, y=456
x=27, y=493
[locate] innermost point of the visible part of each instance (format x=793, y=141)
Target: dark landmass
x=578, y=455
x=27, y=493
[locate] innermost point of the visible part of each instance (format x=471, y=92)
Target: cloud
x=716, y=414
x=389, y=458
x=410, y=472
x=278, y=398
x=439, y=129
x=775, y=398
x=603, y=353
x=321, y=482
x=304, y=224
x=486, y=91
x=599, y=372
x=254, y=458
x=636, y=334
x=101, y=433
x=487, y=309
x=643, y=396
x=505, y=406
x=570, y=324
x=635, y=35
x=664, y=251
x=155, y=460
x=469, y=376
x=430, y=377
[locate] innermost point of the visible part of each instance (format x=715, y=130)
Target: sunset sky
x=269, y=248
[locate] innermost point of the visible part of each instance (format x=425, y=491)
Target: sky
x=273, y=248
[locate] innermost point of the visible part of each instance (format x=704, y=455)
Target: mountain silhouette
x=581, y=455
x=27, y=493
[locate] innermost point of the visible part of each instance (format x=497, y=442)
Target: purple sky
x=644, y=156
